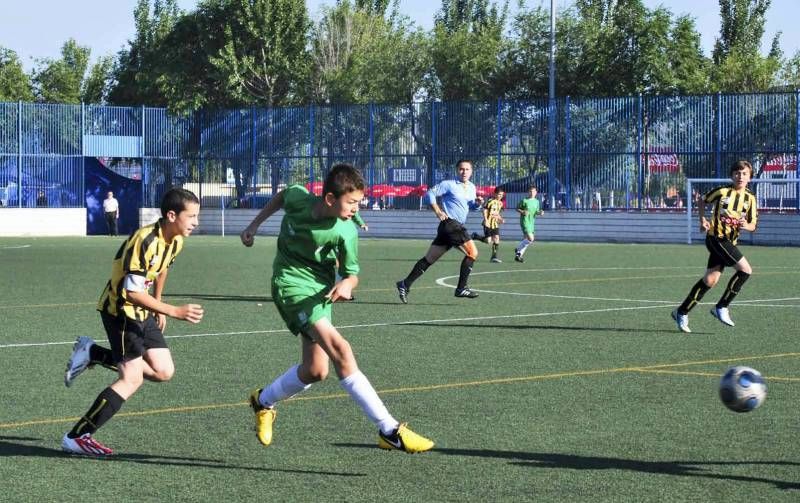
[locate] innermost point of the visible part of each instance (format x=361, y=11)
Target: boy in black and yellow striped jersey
x=134, y=318
x=734, y=209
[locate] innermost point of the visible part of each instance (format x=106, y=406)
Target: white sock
x=286, y=386
x=522, y=246
x=359, y=388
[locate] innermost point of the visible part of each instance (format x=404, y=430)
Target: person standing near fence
x=734, y=208
x=111, y=213
x=134, y=319
x=528, y=210
x=458, y=197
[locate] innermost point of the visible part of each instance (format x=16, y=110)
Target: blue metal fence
x=630, y=152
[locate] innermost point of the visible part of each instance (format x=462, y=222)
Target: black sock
x=102, y=356
x=418, y=270
x=733, y=288
x=466, y=269
x=107, y=403
x=495, y=246
x=695, y=294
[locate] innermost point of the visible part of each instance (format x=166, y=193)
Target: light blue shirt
x=456, y=198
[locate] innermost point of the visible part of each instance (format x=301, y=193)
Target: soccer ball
x=742, y=389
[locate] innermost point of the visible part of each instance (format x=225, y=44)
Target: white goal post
x=775, y=194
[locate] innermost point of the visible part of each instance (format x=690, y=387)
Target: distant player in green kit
x=315, y=232
x=528, y=210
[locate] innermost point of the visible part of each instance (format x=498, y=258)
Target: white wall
x=42, y=222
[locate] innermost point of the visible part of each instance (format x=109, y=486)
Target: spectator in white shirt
x=111, y=212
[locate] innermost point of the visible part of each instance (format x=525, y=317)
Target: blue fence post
x=201, y=128
x=797, y=147
x=567, y=150
x=311, y=143
x=371, y=176
x=551, y=151
x=497, y=170
x=19, y=153
x=718, y=143
x=253, y=156
x=432, y=177
x=639, y=164
x=83, y=153
x=143, y=151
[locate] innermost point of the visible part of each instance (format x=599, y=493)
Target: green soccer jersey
x=531, y=205
x=307, y=247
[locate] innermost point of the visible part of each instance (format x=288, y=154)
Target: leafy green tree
x=61, y=80
x=738, y=64
x=95, y=87
x=466, y=46
x=15, y=84
x=361, y=57
x=138, y=67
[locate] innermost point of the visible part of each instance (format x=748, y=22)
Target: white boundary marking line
x=16, y=247
x=367, y=325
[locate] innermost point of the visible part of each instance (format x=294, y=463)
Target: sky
x=106, y=25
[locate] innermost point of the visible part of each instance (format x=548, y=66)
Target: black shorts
x=451, y=233
x=489, y=232
x=129, y=338
x=721, y=253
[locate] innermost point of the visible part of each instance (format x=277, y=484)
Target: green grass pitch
x=566, y=380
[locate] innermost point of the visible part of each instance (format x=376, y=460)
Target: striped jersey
x=493, y=210
x=729, y=206
x=145, y=253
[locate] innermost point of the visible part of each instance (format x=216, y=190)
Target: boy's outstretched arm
x=249, y=233
x=192, y=313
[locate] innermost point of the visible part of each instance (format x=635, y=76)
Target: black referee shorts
x=722, y=252
x=451, y=234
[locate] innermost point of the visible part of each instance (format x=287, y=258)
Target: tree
x=467, y=42
x=14, y=82
x=137, y=68
x=96, y=86
x=362, y=57
x=60, y=80
x=263, y=54
x=739, y=66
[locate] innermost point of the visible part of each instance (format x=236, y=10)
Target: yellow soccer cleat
x=404, y=440
x=264, y=418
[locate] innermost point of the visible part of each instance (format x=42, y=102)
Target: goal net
x=779, y=195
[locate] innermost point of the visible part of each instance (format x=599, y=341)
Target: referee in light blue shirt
x=451, y=200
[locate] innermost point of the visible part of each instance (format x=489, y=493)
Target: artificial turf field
x=566, y=380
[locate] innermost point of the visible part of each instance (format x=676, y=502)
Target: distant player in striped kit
x=492, y=219
x=734, y=208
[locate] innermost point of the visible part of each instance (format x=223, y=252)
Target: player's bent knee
x=470, y=250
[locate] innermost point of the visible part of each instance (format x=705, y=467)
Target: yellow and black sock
x=733, y=288
x=107, y=403
x=695, y=294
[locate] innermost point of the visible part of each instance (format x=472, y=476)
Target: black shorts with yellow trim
x=451, y=233
x=722, y=252
x=491, y=231
x=129, y=338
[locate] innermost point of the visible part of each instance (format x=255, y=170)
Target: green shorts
x=527, y=229
x=299, y=309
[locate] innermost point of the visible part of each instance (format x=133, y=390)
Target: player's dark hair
x=342, y=179
x=498, y=189
x=175, y=199
x=533, y=187
x=741, y=164
x=458, y=162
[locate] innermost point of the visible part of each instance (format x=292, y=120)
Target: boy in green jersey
x=315, y=231
x=528, y=210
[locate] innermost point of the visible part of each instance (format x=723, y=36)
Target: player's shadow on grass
x=548, y=327
x=677, y=468
x=22, y=446
x=222, y=297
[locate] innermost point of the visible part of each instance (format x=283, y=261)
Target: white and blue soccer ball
x=742, y=389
